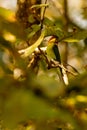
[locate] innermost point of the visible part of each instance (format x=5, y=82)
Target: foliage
x=33, y=93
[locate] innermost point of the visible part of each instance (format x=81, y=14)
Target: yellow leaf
x=7, y=14
x=30, y=49
x=70, y=40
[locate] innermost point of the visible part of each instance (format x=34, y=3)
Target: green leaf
x=6, y=14
x=75, y=37
x=32, y=31
x=70, y=40
x=48, y=22
x=52, y=28
x=54, y=31
x=30, y=49
x=31, y=18
x=80, y=35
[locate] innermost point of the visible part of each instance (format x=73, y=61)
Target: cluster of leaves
x=31, y=96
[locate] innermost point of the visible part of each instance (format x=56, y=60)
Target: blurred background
x=37, y=100
x=9, y=4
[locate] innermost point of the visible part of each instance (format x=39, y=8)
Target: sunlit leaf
x=9, y=37
x=70, y=40
x=7, y=14
x=29, y=50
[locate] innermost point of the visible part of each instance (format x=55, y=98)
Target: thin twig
x=73, y=68
x=43, y=14
x=56, y=64
x=66, y=29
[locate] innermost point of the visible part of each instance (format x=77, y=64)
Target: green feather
x=53, y=51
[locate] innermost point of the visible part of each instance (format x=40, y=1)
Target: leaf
x=70, y=40
x=80, y=35
x=32, y=31
x=30, y=49
x=48, y=22
x=54, y=31
x=75, y=37
x=7, y=14
x=31, y=18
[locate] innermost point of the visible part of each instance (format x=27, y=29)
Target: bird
x=52, y=51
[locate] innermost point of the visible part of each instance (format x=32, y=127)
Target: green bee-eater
x=53, y=53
